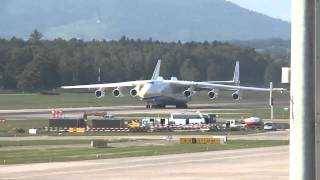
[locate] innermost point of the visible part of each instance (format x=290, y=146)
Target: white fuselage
x=162, y=92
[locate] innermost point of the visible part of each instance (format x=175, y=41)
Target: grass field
x=80, y=153
x=42, y=142
x=36, y=101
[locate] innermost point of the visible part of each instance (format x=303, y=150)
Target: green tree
x=44, y=64
x=18, y=59
x=30, y=77
x=35, y=36
x=273, y=73
x=212, y=72
x=189, y=72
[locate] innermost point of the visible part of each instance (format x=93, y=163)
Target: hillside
x=165, y=20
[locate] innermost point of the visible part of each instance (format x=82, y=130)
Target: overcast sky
x=274, y=8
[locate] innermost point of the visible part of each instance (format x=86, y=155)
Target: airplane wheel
x=148, y=106
x=182, y=106
x=159, y=106
x=162, y=106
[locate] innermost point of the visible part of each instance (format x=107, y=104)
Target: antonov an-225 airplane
x=158, y=92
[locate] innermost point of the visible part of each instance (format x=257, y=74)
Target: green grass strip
x=81, y=153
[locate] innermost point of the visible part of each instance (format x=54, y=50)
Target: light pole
x=302, y=96
x=317, y=96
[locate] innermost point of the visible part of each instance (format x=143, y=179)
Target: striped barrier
x=108, y=129
x=82, y=130
x=77, y=130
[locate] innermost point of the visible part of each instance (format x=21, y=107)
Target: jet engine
x=117, y=92
x=188, y=93
x=99, y=93
x=212, y=94
x=236, y=95
x=134, y=92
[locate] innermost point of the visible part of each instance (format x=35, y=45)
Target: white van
x=186, y=118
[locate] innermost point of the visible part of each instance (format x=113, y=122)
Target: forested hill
x=164, y=20
x=40, y=64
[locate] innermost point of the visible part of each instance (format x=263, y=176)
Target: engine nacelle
x=188, y=93
x=117, y=92
x=99, y=93
x=212, y=94
x=134, y=92
x=236, y=96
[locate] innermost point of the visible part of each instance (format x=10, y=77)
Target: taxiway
x=244, y=164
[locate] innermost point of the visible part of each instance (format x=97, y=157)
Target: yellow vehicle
x=134, y=124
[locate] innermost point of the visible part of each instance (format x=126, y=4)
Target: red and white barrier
x=55, y=114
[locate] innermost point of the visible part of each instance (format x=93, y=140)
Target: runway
x=123, y=110
x=247, y=164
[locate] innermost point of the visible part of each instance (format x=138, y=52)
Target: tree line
x=36, y=64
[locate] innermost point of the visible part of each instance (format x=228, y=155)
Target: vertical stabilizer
x=236, y=74
x=156, y=71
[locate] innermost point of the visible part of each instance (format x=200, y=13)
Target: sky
x=274, y=8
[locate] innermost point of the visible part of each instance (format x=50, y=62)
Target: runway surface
x=123, y=110
x=247, y=164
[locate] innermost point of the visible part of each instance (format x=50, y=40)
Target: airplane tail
x=236, y=77
x=236, y=74
x=156, y=71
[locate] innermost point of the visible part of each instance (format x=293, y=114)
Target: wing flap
x=205, y=85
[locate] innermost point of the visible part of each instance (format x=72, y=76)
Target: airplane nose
x=143, y=91
x=149, y=90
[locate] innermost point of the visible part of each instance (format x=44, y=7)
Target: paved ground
x=272, y=135
x=247, y=164
x=122, y=110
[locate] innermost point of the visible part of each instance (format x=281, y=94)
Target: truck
x=254, y=122
x=186, y=118
x=233, y=125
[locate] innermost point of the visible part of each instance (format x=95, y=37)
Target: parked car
x=268, y=126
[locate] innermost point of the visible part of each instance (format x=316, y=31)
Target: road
x=247, y=164
x=123, y=110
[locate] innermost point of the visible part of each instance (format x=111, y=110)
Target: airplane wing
x=209, y=86
x=108, y=85
x=155, y=76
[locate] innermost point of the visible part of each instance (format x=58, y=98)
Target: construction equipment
x=134, y=124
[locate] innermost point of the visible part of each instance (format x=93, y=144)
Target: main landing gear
x=158, y=106
x=182, y=106
x=163, y=106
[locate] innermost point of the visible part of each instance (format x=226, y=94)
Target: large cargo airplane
x=158, y=92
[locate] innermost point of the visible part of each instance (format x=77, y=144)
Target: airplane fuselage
x=162, y=93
